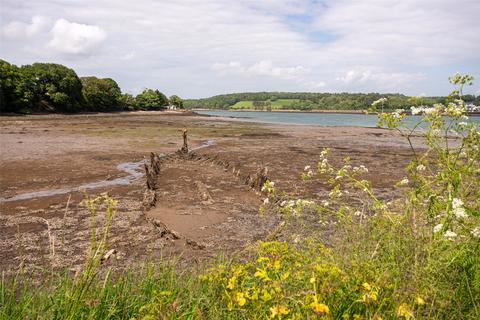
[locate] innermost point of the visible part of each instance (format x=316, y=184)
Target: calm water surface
x=311, y=118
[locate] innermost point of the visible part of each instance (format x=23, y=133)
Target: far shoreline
x=286, y=110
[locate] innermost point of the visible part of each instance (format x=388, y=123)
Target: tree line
x=318, y=101
x=50, y=87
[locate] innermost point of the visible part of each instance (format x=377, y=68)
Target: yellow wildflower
x=262, y=274
x=262, y=259
x=241, y=299
x=367, y=286
x=278, y=310
x=419, y=300
x=266, y=295
x=405, y=311
x=285, y=275
x=320, y=308
x=231, y=283
x=276, y=264
x=370, y=296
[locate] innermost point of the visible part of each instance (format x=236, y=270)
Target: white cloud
x=426, y=32
x=75, y=38
x=266, y=68
x=20, y=30
x=379, y=79
x=261, y=68
x=284, y=45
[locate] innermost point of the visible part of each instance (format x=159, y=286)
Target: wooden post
x=185, y=145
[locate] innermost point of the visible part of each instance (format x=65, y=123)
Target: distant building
x=472, y=108
x=172, y=107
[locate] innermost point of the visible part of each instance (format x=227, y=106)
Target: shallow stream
x=132, y=168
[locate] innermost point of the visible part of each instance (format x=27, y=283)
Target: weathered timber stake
x=184, y=148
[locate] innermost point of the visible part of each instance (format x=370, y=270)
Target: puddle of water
x=132, y=168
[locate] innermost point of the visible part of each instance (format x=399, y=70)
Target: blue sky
x=198, y=48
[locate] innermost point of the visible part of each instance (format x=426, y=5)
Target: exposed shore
x=59, y=151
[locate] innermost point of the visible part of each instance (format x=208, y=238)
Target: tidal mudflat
x=206, y=203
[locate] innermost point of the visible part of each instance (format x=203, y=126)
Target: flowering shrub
x=284, y=281
x=416, y=259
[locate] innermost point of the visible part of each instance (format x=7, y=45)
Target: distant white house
x=472, y=108
x=172, y=107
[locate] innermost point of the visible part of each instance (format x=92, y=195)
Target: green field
x=277, y=104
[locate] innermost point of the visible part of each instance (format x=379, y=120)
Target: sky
x=200, y=48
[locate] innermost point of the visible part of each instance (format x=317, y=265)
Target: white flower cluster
x=476, y=232
x=380, y=101
x=295, y=206
x=404, y=182
x=360, y=169
x=397, y=114
x=308, y=171
x=421, y=168
x=438, y=228
x=323, y=166
x=268, y=186
x=335, y=193
x=458, y=209
x=448, y=234
x=456, y=109
x=324, y=153
x=435, y=110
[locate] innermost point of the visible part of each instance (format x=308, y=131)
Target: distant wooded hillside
x=311, y=101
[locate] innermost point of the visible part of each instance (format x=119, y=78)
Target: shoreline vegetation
x=54, y=88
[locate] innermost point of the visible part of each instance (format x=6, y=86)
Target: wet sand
x=40, y=153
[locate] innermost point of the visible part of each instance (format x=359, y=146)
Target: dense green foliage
x=151, y=99
x=13, y=92
x=101, y=94
x=49, y=87
x=176, y=101
x=310, y=101
x=53, y=87
x=127, y=101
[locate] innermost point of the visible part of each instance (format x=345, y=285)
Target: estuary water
x=311, y=118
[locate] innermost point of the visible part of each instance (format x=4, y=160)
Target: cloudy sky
x=198, y=48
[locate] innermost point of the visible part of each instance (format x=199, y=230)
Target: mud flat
x=202, y=201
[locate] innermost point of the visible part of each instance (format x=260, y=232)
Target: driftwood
x=194, y=244
x=149, y=198
x=257, y=180
x=165, y=232
x=151, y=173
x=184, y=148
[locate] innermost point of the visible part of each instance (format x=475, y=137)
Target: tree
x=151, y=100
x=14, y=93
x=54, y=87
x=127, y=102
x=101, y=94
x=176, y=101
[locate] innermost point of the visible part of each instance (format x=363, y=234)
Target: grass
x=275, y=105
